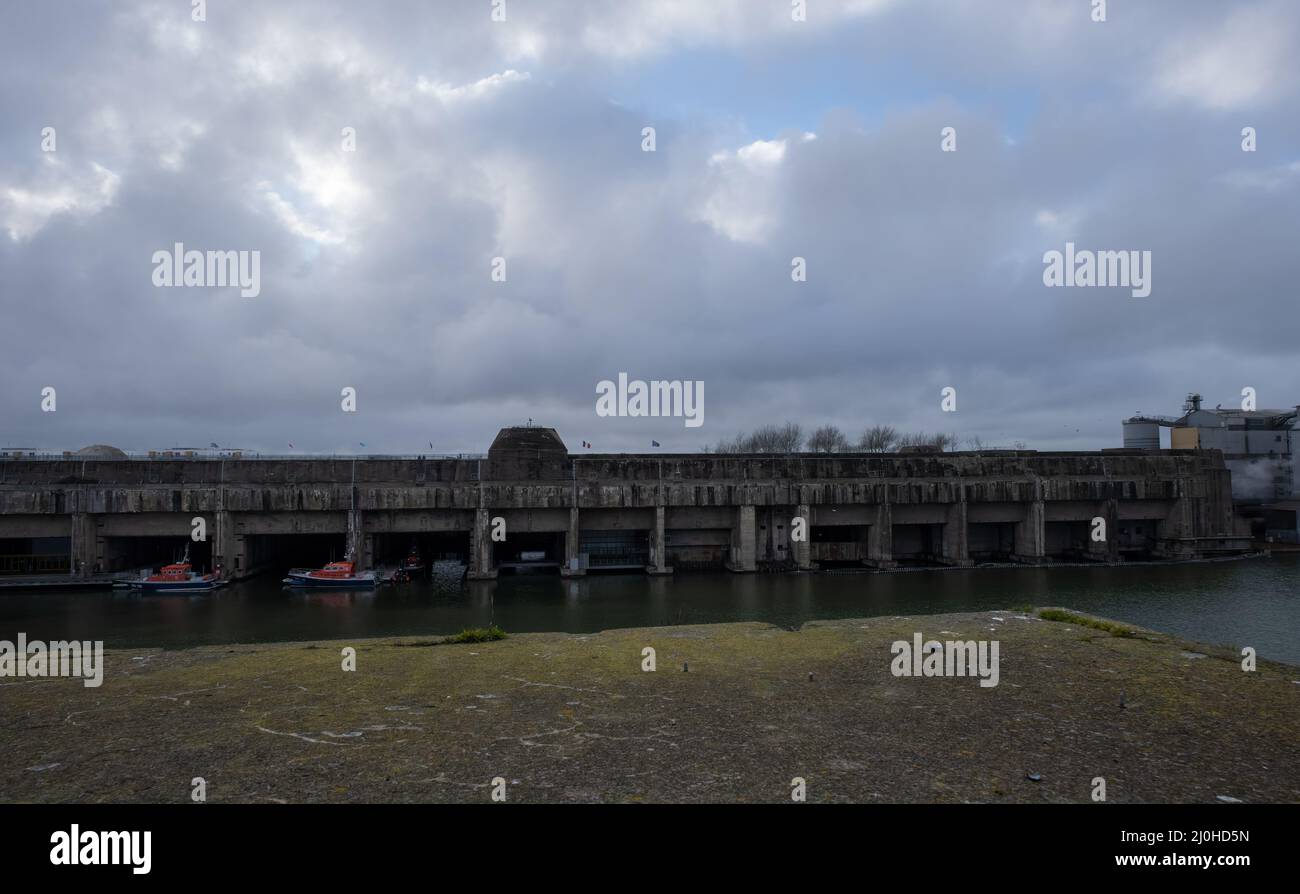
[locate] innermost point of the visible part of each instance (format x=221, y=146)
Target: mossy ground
x=570, y=718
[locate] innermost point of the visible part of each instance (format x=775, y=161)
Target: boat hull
x=366, y=581
x=180, y=586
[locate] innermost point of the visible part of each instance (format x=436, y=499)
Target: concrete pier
x=653, y=512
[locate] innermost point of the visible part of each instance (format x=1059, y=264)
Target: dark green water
x=1251, y=602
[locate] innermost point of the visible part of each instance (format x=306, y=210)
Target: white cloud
x=172, y=147
x=1245, y=59
x=1269, y=179
x=328, y=179
x=290, y=218
x=741, y=195
x=631, y=29
x=330, y=198
x=26, y=210
x=522, y=43
x=448, y=93
x=1059, y=222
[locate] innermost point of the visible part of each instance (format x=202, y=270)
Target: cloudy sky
x=522, y=139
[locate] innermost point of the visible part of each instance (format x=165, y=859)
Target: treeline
x=789, y=438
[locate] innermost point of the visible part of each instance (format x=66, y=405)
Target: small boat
x=413, y=564
x=179, y=577
x=334, y=576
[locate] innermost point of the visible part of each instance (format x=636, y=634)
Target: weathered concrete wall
x=536, y=486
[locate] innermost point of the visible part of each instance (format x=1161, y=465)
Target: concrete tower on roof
x=526, y=452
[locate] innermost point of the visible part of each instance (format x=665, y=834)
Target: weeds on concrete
x=477, y=635
x=1114, y=629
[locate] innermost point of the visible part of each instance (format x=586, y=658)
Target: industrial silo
x=1141, y=434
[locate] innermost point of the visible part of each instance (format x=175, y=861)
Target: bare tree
x=786, y=438
x=879, y=439
x=947, y=441
x=828, y=439
x=938, y=441
x=735, y=445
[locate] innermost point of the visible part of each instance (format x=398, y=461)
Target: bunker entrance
x=697, y=550
x=530, y=553
x=392, y=549
x=838, y=546
x=139, y=553
x=622, y=550
x=1137, y=538
x=1066, y=539
x=918, y=545
x=35, y=555
x=991, y=541
x=279, y=552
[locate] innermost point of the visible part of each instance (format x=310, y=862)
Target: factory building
x=1258, y=449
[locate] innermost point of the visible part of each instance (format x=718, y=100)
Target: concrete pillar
x=228, y=548
x=803, y=549
x=83, y=545
x=658, y=556
x=1176, y=526
x=1108, y=550
x=481, y=566
x=766, y=551
x=743, y=541
x=880, y=538
x=573, y=566
x=1112, y=530
x=955, y=536
x=1031, y=535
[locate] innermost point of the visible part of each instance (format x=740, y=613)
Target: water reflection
x=1252, y=602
